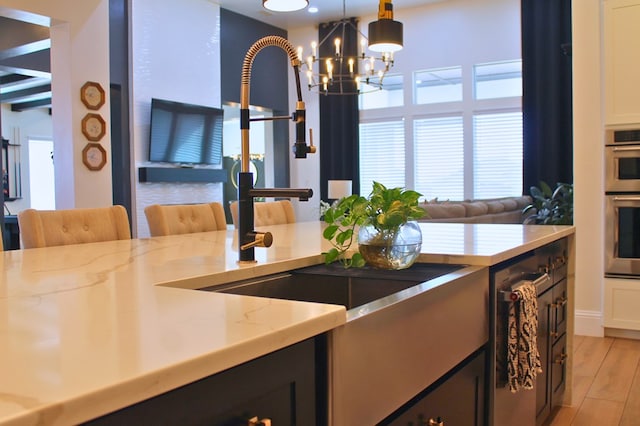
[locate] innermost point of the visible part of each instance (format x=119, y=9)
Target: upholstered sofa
x=499, y=210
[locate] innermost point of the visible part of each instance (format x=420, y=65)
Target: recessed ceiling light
x=313, y=9
x=284, y=5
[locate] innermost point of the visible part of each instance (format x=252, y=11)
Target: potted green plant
x=550, y=207
x=383, y=224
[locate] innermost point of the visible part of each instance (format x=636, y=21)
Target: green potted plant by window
x=550, y=207
x=383, y=224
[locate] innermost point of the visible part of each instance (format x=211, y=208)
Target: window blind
x=439, y=157
x=497, y=155
x=382, y=155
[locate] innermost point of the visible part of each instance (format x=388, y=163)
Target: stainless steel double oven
x=622, y=211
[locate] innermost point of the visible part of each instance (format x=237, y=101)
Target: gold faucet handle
x=312, y=147
x=261, y=239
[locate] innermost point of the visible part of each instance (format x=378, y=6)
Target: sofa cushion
x=510, y=204
x=475, y=208
x=495, y=207
x=523, y=201
x=496, y=210
x=444, y=210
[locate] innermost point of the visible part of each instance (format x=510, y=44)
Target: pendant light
x=340, y=73
x=284, y=5
x=385, y=34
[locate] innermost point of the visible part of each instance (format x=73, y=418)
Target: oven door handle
x=626, y=148
x=511, y=296
x=621, y=198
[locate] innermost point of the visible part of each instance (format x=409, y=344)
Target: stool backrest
x=46, y=228
x=267, y=213
x=184, y=218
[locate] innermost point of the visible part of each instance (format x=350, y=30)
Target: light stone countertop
x=87, y=329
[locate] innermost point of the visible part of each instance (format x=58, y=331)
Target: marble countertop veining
x=87, y=329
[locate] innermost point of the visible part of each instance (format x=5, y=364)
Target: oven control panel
x=619, y=137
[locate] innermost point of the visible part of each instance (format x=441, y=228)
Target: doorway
x=42, y=188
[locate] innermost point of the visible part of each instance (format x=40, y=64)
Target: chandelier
x=363, y=68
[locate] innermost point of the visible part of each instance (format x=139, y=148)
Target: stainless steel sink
x=336, y=285
x=404, y=329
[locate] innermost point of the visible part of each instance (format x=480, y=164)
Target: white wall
x=175, y=51
x=588, y=164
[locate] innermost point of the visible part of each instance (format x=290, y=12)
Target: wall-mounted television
x=185, y=133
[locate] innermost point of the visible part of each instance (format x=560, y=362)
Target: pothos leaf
x=330, y=232
x=331, y=256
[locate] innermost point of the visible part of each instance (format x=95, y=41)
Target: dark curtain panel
x=339, y=116
x=547, y=97
x=119, y=95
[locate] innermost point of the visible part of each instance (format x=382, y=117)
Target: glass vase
x=390, y=249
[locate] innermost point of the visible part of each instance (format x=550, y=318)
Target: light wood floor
x=606, y=383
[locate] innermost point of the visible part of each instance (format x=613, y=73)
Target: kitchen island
x=88, y=329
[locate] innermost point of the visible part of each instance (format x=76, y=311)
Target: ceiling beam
x=20, y=15
x=15, y=34
x=23, y=106
x=39, y=61
x=25, y=49
x=24, y=93
x=6, y=80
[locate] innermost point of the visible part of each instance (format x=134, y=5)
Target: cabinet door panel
x=558, y=371
x=622, y=61
x=458, y=400
x=559, y=326
x=543, y=397
x=280, y=386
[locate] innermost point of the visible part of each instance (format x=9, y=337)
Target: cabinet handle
x=560, y=302
x=437, y=422
x=253, y=421
x=553, y=333
x=561, y=359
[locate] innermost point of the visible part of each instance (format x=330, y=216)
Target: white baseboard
x=588, y=323
x=625, y=334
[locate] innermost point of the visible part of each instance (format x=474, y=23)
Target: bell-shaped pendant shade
x=284, y=5
x=385, y=35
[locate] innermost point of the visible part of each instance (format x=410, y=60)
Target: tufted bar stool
x=267, y=213
x=46, y=228
x=184, y=218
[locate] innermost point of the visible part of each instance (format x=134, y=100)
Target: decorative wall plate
x=94, y=156
x=92, y=95
x=93, y=126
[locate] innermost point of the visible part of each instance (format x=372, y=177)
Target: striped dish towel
x=523, y=358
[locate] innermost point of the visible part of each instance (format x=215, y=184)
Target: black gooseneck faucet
x=248, y=238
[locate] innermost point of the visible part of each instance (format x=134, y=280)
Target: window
x=439, y=165
x=460, y=139
x=391, y=94
x=382, y=154
x=498, y=80
x=438, y=85
x=497, y=156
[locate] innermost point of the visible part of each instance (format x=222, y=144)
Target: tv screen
x=185, y=133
